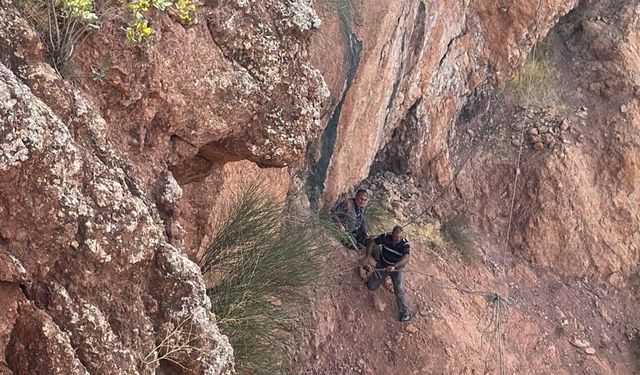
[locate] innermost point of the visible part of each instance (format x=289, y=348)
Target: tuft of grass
x=61, y=24
x=380, y=218
x=535, y=85
x=457, y=233
x=100, y=72
x=180, y=340
x=268, y=259
x=428, y=234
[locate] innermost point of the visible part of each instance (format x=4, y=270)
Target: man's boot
x=405, y=317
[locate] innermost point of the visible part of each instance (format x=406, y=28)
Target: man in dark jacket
x=393, y=255
x=350, y=215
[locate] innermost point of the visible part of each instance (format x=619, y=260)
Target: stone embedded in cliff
x=267, y=41
x=90, y=253
x=538, y=146
x=38, y=346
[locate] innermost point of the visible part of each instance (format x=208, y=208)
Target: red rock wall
x=581, y=214
x=575, y=207
x=418, y=64
x=122, y=175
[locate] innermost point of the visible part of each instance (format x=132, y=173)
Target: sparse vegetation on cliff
x=459, y=236
x=265, y=258
x=63, y=24
x=535, y=84
x=381, y=219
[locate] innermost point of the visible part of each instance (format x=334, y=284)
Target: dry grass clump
x=182, y=339
x=380, y=218
x=537, y=83
x=460, y=237
x=428, y=234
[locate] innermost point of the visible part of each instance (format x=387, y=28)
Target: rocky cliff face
x=575, y=208
x=89, y=283
x=581, y=215
x=414, y=64
x=108, y=182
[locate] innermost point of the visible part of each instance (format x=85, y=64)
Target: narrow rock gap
x=318, y=171
x=394, y=156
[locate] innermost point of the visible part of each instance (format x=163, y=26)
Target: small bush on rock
x=536, y=84
x=459, y=236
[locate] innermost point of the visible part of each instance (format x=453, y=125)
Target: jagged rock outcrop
x=96, y=288
x=98, y=172
x=236, y=85
x=204, y=99
x=90, y=284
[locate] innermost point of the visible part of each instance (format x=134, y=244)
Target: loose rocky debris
x=590, y=351
x=584, y=345
x=578, y=343
x=547, y=128
x=388, y=284
x=378, y=303
x=275, y=301
x=395, y=193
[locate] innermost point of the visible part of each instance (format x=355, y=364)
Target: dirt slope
x=459, y=327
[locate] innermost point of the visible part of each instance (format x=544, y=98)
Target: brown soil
x=460, y=328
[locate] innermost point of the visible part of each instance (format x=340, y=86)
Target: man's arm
x=403, y=261
x=367, y=253
x=371, y=244
x=339, y=214
x=364, y=227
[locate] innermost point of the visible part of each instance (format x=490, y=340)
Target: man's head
x=361, y=198
x=397, y=234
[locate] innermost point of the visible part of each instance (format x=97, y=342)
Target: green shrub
x=267, y=259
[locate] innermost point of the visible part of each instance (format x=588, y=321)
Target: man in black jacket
x=350, y=215
x=393, y=255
